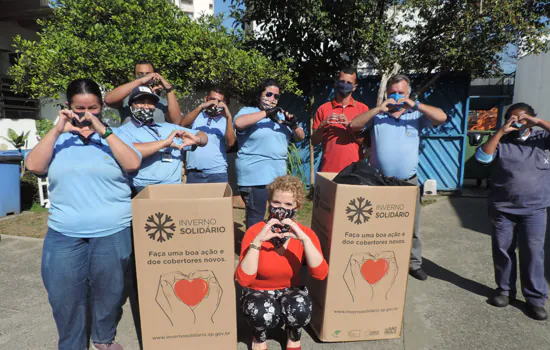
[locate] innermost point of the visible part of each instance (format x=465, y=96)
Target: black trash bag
x=362, y=173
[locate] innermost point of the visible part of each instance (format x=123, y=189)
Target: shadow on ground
x=472, y=213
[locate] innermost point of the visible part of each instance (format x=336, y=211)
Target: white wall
x=531, y=87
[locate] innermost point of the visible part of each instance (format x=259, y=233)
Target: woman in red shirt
x=270, y=262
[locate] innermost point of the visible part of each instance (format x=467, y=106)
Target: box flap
x=186, y=191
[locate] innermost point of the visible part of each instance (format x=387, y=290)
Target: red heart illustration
x=374, y=270
x=191, y=292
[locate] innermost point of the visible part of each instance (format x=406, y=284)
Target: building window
x=190, y=14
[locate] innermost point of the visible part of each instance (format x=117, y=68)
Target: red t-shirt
x=278, y=271
x=340, y=148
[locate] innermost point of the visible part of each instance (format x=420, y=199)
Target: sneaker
x=536, y=312
x=419, y=274
x=499, y=300
x=111, y=346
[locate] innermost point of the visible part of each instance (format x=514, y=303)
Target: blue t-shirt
x=262, y=150
x=89, y=192
x=163, y=167
x=395, y=143
x=212, y=158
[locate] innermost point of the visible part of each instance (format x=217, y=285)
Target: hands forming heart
x=179, y=139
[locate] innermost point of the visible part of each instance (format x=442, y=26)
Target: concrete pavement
x=449, y=311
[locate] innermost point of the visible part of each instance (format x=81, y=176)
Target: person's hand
x=225, y=109
x=178, y=313
x=266, y=233
x=407, y=103
x=146, y=79
x=528, y=121
x=383, y=287
x=272, y=114
x=342, y=119
x=96, y=124
x=359, y=288
x=508, y=128
x=211, y=301
x=384, y=106
x=291, y=121
x=164, y=84
x=64, y=122
x=295, y=231
x=186, y=138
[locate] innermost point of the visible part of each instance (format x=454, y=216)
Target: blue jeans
x=198, y=177
x=78, y=270
x=255, y=199
x=527, y=232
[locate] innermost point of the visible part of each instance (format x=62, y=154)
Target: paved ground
x=449, y=311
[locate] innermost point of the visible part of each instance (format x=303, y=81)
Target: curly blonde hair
x=288, y=183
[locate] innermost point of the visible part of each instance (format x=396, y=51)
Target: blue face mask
x=518, y=134
x=396, y=97
x=344, y=88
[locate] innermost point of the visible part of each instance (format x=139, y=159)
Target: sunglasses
x=269, y=94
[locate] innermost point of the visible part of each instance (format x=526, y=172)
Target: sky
x=223, y=6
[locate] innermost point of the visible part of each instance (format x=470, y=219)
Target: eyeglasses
x=269, y=94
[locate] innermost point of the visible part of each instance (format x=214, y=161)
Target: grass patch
x=37, y=208
x=428, y=201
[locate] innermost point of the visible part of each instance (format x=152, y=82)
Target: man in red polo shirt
x=340, y=144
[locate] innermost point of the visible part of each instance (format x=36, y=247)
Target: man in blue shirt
x=160, y=144
x=395, y=128
x=165, y=109
x=209, y=164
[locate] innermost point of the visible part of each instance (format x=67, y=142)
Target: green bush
x=43, y=126
x=29, y=191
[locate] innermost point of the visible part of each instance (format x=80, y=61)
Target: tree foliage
x=102, y=39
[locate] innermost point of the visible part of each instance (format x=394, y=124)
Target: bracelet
x=416, y=105
x=253, y=246
x=170, y=89
x=108, y=131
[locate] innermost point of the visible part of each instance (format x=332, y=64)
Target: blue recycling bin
x=10, y=188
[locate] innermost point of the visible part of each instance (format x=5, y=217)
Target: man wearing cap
x=341, y=146
x=395, y=128
x=165, y=109
x=209, y=164
x=161, y=144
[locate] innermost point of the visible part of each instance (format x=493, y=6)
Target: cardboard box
x=184, y=248
x=366, y=236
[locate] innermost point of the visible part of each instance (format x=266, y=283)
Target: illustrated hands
x=359, y=288
x=384, y=285
x=211, y=301
x=177, y=312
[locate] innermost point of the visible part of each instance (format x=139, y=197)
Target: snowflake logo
x=163, y=225
x=359, y=210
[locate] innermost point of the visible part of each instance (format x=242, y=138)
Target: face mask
x=344, y=88
x=213, y=111
x=266, y=103
x=280, y=214
x=83, y=123
x=144, y=116
x=396, y=97
x=518, y=134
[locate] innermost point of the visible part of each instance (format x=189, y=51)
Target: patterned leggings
x=264, y=309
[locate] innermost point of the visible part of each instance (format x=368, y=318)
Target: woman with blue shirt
x=161, y=144
x=520, y=194
x=263, y=134
x=88, y=245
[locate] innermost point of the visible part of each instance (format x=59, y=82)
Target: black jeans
x=255, y=199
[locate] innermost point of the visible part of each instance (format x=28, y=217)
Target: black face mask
x=213, y=111
x=345, y=89
x=83, y=123
x=280, y=214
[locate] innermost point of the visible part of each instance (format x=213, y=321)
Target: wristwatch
x=108, y=131
x=171, y=88
x=416, y=104
x=253, y=246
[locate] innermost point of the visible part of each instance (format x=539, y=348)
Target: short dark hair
x=348, y=70
x=520, y=105
x=397, y=78
x=145, y=62
x=83, y=86
x=267, y=83
x=220, y=90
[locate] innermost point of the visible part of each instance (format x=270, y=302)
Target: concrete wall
x=532, y=76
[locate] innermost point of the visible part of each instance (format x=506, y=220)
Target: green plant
x=17, y=141
x=29, y=190
x=294, y=163
x=43, y=126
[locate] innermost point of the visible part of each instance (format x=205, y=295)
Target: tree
x=102, y=39
x=413, y=36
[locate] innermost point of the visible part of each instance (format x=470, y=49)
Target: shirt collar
x=139, y=125
x=336, y=104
